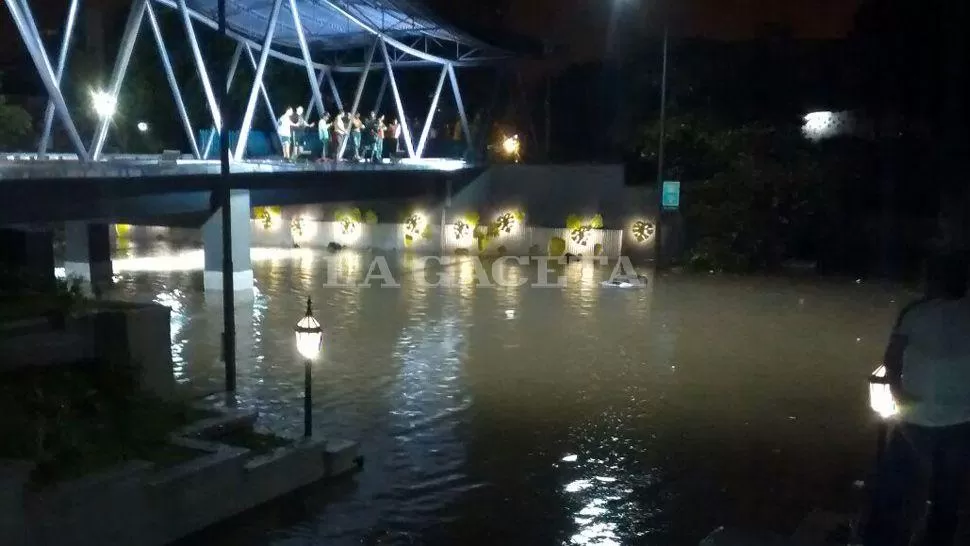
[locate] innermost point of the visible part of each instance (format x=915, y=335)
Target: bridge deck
x=28, y=166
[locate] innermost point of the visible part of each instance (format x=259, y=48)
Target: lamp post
x=661, y=141
x=309, y=341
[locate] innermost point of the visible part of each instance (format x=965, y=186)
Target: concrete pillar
x=87, y=251
x=242, y=269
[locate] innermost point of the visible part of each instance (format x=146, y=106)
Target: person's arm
x=893, y=358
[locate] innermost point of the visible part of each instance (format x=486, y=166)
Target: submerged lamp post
x=309, y=341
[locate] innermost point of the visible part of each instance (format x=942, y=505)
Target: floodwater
x=581, y=415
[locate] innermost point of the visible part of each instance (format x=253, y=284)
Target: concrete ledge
x=136, y=503
x=230, y=420
x=241, y=280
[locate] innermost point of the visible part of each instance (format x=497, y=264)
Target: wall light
x=303, y=228
x=270, y=219
x=643, y=231
x=511, y=145
x=415, y=224
x=347, y=232
x=509, y=222
x=463, y=232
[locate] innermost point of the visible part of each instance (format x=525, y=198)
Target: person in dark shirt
x=300, y=126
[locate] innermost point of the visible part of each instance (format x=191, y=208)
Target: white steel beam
x=257, y=81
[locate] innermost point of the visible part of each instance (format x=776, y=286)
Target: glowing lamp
x=881, y=398
x=104, y=104
x=511, y=145
x=309, y=334
x=142, y=127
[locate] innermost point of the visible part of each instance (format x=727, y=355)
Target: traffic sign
x=670, y=198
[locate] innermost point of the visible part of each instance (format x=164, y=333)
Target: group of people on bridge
x=344, y=136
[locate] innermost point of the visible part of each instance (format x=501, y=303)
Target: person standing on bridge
x=394, y=133
x=323, y=131
x=300, y=131
x=356, y=125
x=340, y=128
x=284, y=126
x=377, y=154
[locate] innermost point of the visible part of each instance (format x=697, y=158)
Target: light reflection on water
x=582, y=415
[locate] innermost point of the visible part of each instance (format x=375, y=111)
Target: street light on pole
x=661, y=141
x=309, y=341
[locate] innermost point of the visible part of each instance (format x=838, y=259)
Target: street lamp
x=881, y=398
x=511, y=146
x=142, y=127
x=882, y=401
x=309, y=341
x=103, y=103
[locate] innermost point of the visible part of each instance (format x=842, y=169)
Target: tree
x=754, y=195
x=16, y=125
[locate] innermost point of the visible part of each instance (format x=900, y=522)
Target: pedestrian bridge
x=149, y=190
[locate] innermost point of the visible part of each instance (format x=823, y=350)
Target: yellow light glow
x=511, y=145
x=881, y=398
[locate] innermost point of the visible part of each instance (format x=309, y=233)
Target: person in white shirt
x=928, y=368
x=300, y=126
x=284, y=126
x=340, y=129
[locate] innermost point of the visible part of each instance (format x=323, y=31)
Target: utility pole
x=228, y=303
x=548, y=104
x=660, y=151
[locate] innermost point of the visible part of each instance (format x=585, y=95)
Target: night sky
x=586, y=21
x=583, y=25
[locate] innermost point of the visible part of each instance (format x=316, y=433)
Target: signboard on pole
x=670, y=198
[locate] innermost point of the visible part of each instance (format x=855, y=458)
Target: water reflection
x=173, y=300
x=579, y=415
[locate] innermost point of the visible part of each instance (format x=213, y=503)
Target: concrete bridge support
x=242, y=269
x=87, y=251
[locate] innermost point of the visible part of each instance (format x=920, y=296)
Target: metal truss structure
x=320, y=35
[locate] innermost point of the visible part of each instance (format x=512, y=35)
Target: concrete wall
x=385, y=237
x=126, y=334
x=547, y=194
